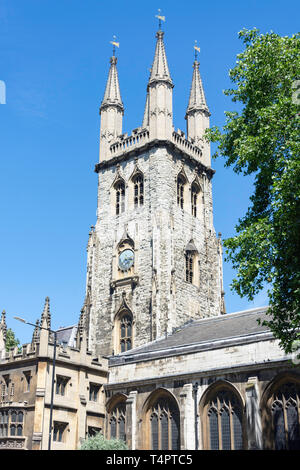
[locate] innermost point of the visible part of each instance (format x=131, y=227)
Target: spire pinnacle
x=3, y=325
x=36, y=332
x=146, y=112
x=197, y=99
x=112, y=95
x=46, y=316
x=160, y=70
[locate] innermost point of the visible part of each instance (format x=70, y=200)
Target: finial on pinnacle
x=197, y=49
x=160, y=19
x=115, y=44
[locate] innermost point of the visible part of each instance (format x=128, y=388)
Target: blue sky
x=54, y=59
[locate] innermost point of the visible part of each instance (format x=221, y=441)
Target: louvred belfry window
x=180, y=191
x=117, y=422
x=285, y=408
x=194, y=198
x=164, y=425
x=224, y=419
x=138, y=183
x=189, y=267
x=120, y=197
x=125, y=333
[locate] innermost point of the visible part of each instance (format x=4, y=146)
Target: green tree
x=263, y=139
x=11, y=340
x=98, y=442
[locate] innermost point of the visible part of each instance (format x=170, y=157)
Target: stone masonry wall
x=161, y=230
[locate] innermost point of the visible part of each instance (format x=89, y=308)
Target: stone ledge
x=154, y=143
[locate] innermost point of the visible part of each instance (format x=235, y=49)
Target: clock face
x=126, y=259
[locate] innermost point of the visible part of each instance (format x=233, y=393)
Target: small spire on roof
x=197, y=99
x=160, y=69
x=112, y=95
x=36, y=332
x=46, y=316
x=3, y=325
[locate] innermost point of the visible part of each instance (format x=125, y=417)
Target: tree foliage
x=11, y=341
x=263, y=139
x=98, y=442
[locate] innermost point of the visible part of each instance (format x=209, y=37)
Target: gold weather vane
x=197, y=49
x=161, y=18
x=115, y=44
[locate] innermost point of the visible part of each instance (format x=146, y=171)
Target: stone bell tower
x=153, y=259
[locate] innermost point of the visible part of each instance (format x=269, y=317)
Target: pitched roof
x=66, y=335
x=202, y=333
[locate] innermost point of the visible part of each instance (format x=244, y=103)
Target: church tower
x=153, y=259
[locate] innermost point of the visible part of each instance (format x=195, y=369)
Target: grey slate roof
x=202, y=332
x=66, y=335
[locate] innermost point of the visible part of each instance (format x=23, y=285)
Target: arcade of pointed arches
x=222, y=417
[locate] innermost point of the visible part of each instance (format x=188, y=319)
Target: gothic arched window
x=125, y=332
x=164, y=421
x=285, y=411
x=224, y=419
x=195, y=190
x=138, y=185
x=189, y=267
x=117, y=422
x=120, y=197
x=180, y=190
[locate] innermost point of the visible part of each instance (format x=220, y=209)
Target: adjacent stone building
x=26, y=380
x=216, y=383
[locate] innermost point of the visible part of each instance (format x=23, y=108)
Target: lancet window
x=138, y=185
x=120, y=197
x=125, y=332
x=225, y=422
x=117, y=422
x=194, y=198
x=164, y=425
x=180, y=191
x=285, y=411
x=189, y=267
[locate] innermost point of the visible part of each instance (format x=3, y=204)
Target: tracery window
x=194, y=198
x=180, y=191
x=285, y=410
x=138, y=184
x=12, y=420
x=164, y=425
x=189, y=267
x=120, y=197
x=117, y=422
x=224, y=422
x=125, y=332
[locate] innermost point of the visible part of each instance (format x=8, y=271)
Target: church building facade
x=155, y=359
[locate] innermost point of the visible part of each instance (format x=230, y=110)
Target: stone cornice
x=145, y=356
x=136, y=151
x=196, y=374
